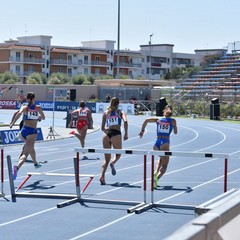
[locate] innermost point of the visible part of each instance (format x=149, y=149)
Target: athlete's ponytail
x=113, y=105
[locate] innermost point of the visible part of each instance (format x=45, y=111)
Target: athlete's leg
x=117, y=144
x=28, y=148
x=163, y=161
x=81, y=135
x=106, y=144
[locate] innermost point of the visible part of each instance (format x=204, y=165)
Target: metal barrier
x=15, y=194
x=79, y=198
x=181, y=154
x=138, y=206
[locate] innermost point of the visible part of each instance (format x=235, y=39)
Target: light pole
x=118, y=41
x=150, y=61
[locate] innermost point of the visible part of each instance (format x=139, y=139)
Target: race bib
x=164, y=127
x=33, y=115
x=111, y=121
x=83, y=114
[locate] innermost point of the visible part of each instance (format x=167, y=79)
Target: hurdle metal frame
x=79, y=198
x=14, y=193
x=180, y=154
x=2, y=194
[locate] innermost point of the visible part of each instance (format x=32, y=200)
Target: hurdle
x=80, y=199
x=16, y=194
x=180, y=154
x=2, y=194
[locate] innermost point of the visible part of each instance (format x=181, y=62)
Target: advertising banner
x=128, y=108
x=10, y=136
x=7, y=104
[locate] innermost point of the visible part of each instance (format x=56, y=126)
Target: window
x=85, y=71
x=97, y=71
x=69, y=71
x=97, y=59
x=18, y=56
x=86, y=59
x=30, y=55
x=30, y=69
x=17, y=69
x=123, y=60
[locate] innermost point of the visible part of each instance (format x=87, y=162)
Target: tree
x=8, y=78
x=79, y=79
x=36, y=78
x=59, y=78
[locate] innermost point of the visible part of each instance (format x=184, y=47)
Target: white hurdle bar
x=105, y=201
x=15, y=194
x=2, y=172
x=181, y=154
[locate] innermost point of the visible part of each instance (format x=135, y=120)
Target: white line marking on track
x=28, y=216
x=102, y=227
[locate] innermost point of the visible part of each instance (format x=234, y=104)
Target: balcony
x=128, y=65
x=100, y=63
x=27, y=60
x=68, y=62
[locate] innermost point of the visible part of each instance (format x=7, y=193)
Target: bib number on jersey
x=163, y=127
x=111, y=121
x=33, y=115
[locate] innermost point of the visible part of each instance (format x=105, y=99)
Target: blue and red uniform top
x=164, y=127
x=113, y=119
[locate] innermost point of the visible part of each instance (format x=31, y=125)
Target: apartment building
x=30, y=54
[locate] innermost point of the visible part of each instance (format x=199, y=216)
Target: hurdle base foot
x=144, y=208
x=131, y=210
x=68, y=203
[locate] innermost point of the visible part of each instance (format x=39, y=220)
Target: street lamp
x=118, y=41
x=150, y=61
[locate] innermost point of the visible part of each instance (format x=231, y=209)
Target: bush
x=36, y=78
x=79, y=79
x=8, y=78
x=59, y=78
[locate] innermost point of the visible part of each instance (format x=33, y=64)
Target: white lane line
x=28, y=216
x=102, y=227
x=122, y=218
x=198, y=186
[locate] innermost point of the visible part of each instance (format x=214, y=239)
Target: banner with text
x=11, y=136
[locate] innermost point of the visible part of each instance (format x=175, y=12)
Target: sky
x=187, y=24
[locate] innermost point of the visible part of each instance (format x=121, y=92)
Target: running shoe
x=38, y=165
x=15, y=169
x=155, y=181
x=102, y=181
x=113, y=169
x=72, y=132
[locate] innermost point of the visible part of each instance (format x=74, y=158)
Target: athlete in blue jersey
x=32, y=114
x=111, y=126
x=165, y=125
